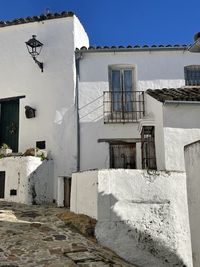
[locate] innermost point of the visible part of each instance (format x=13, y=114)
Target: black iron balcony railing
x=123, y=106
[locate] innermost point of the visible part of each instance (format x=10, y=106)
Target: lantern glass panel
x=34, y=47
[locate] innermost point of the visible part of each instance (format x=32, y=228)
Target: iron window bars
x=123, y=106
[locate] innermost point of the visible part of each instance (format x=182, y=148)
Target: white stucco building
x=101, y=108
x=115, y=112
x=52, y=93
x=91, y=109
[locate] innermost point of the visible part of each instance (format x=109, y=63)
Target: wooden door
x=123, y=156
x=67, y=191
x=9, y=124
x=2, y=184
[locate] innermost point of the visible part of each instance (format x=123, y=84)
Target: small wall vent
x=13, y=192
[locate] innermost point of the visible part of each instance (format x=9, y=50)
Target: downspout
x=77, y=63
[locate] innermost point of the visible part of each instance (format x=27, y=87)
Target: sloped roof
x=132, y=48
x=175, y=94
x=36, y=18
x=120, y=48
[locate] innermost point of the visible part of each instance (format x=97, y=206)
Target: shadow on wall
x=41, y=183
x=138, y=231
x=92, y=111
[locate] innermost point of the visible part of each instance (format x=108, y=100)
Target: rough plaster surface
x=84, y=183
x=55, y=118
x=153, y=70
x=142, y=216
x=155, y=112
x=31, y=177
x=192, y=160
x=174, y=140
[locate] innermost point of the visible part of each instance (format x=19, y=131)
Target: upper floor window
x=121, y=78
x=121, y=81
x=192, y=75
x=122, y=103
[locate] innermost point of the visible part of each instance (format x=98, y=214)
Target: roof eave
x=132, y=49
x=40, y=18
x=175, y=102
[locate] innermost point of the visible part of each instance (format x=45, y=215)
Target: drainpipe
x=77, y=59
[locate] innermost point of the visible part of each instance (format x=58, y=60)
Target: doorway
x=2, y=184
x=123, y=155
x=9, y=123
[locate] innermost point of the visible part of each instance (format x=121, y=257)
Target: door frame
x=9, y=99
x=3, y=175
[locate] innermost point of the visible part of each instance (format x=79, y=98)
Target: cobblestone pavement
x=35, y=236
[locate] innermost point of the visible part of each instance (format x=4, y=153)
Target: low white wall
x=31, y=177
x=142, y=216
x=181, y=127
x=192, y=164
x=84, y=191
x=175, y=139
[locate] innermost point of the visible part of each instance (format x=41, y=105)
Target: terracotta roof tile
x=175, y=94
x=36, y=18
x=132, y=47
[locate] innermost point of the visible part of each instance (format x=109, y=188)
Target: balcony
x=123, y=106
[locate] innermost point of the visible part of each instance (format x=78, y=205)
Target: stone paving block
x=94, y=264
x=55, y=251
x=81, y=256
x=8, y=265
x=36, y=225
x=48, y=238
x=59, y=237
x=60, y=264
x=33, y=236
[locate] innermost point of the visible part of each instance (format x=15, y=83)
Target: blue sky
x=120, y=22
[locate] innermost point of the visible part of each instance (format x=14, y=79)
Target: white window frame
x=122, y=67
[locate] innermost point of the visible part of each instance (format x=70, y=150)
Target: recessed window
x=122, y=103
x=121, y=86
x=192, y=75
x=148, y=148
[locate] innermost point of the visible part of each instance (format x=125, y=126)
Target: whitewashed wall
x=155, y=113
x=51, y=93
x=84, y=193
x=192, y=163
x=30, y=176
x=155, y=69
x=181, y=127
x=142, y=216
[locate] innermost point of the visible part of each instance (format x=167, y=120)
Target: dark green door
x=2, y=184
x=9, y=123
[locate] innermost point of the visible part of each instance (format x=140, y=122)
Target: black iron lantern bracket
x=40, y=64
x=34, y=48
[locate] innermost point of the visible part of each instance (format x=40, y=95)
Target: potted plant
x=5, y=149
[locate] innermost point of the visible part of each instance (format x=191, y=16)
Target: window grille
x=123, y=107
x=148, y=148
x=192, y=75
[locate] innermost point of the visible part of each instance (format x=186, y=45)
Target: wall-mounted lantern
x=34, y=48
x=29, y=112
